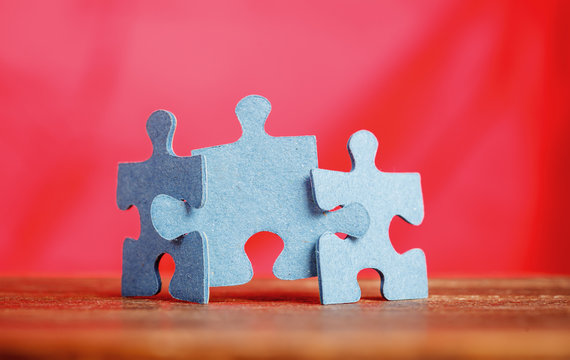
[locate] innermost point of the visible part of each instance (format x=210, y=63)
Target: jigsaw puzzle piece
x=383, y=195
x=173, y=218
x=258, y=183
x=138, y=184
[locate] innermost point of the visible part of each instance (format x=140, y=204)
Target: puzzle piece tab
x=138, y=184
x=384, y=195
x=258, y=183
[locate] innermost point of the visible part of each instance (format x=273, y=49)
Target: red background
x=473, y=95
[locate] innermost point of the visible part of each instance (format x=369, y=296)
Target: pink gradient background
x=473, y=95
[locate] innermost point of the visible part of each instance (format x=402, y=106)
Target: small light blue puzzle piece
x=138, y=184
x=258, y=183
x=383, y=195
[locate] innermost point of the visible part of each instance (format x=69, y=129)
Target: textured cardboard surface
x=384, y=195
x=138, y=184
x=258, y=183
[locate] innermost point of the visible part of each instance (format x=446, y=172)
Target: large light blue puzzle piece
x=259, y=183
x=384, y=195
x=138, y=184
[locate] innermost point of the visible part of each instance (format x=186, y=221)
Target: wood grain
x=462, y=318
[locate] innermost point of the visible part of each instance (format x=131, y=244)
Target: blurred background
x=474, y=95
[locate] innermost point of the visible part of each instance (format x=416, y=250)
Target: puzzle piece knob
x=362, y=147
x=160, y=128
x=252, y=111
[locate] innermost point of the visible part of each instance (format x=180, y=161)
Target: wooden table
x=463, y=318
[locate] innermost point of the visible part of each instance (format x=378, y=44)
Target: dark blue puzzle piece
x=384, y=195
x=258, y=183
x=138, y=184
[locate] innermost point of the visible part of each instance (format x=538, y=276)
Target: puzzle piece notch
x=384, y=195
x=258, y=183
x=190, y=281
x=138, y=184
